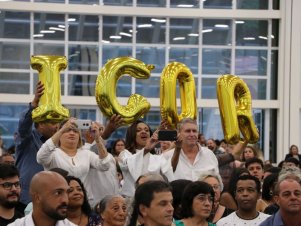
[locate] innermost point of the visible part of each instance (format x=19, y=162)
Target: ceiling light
x=71, y=19
x=249, y=38
x=144, y=25
x=158, y=20
x=193, y=35
x=61, y=26
x=185, y=6
x=221, y=25
x=263, y=37
x=47, y=32
x=207, y=30
x=105, y=41
x=239, y=22
x=178, y=38
x=56, y=29
x=125, y=34
x=115, y=37
x=38, y=35
x=272, y=36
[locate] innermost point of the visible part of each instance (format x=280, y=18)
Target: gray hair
x=215, y=175
x=292, y=173
x=184, y=121
x=104, y=202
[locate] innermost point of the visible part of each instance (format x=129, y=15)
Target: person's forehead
x=164, y=195
x=8, y=157
x=246, y=183
x=289, y=185
x=142, y=125
x=9, y=179
x=255, y=164
x=189, y=125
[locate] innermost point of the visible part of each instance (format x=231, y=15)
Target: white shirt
x=233, y=220
x=102, y=183
x=79, y=165
x=135, y=165
x=205, y=161
x=28, y=221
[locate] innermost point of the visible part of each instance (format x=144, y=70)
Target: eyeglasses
x=9, y=185
x=203, y=198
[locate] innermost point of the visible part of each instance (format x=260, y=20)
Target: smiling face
x=115, y=212
x=189, y=133
x=142, y=135
x=75, y=194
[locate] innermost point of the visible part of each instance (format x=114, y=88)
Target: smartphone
x=169, y=135
x=83, y=123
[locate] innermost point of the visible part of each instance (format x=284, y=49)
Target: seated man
x=7, y=158
x=247, y=192
x=49, y=194
x=9, y=194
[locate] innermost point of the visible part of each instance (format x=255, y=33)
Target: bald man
x=49, y=193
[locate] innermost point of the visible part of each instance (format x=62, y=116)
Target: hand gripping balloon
x=235, y=105
x=105, y=89
x=50, y=107
x=172, y=73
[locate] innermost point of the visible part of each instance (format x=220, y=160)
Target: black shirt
x=5, y=222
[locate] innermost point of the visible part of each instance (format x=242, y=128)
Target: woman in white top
x=139, y=157
x=64, y=150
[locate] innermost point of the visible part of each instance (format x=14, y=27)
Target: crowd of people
x=61, y=175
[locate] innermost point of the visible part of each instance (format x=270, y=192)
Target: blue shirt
x=274, y=220
x=28, y=142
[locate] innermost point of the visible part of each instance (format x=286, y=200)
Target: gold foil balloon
x=172, y=73
x=105, y=90
x=50, y=107
x=235, y=105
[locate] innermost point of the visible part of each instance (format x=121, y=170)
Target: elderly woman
x=137, y=158
x=79, y=211
x=64, y=150
x=218, y=211
x=112, y=210
x=197, y=203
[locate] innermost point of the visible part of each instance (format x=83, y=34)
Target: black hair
x=8, y=171
x=178, y=187
x=250, y=177
x=233, y=179
x=86, y=208
x=113, y=150
x=293, y=160
x=192, y=190
x=144, y=195
x=254, y=160
x=268, y=186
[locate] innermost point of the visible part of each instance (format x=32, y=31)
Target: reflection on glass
x=251, y=62
x=124, y=86
x=117, y=29
x=152, y=55
x=187, y=56
x=184, y=4
x=11, y=82
x=148, y=87
x=110, y=52
x=51, y=1
x=118, y=2
x=252, y=4
x=36, y=80
x=49, y=49
x=217, y=32
x=81, y=85
x=216, y=61
x=251, y=32
x=83, y=27
x=14, y=55
x=153, y=3
x=276, y=4
x=184, y=31
x=275, y=32
x=83, y=58
x=9, y=120
x=208, y=88
x=151, y=30
x=274, y=75
x=85, y=2
x=49, y=26
x=217, y=4
x=14, y=24
x=83, y=113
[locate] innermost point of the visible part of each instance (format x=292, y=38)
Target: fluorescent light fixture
x=193, y=35
x=61, y=26
x=47, y=32
x=239, y=22
x=115, y=37
x=221, y=25
x=178, y=38
x=158, y=20
x=249, y=38
x=272, y=36
x=38, y=35
x=185, y=6
x=105, y=41
x=71, y=19
x=125, y=34
x=263, y=37
x=144, y=25
x=56, y=29
x=207, y=30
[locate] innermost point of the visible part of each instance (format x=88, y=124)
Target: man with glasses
x=288, y=198
x=9, y=194
x=247, y=192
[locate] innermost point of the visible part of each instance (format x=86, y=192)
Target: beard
x=55, y=213
x=9, y=204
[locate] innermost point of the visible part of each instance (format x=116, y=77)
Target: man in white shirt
x=189, y=159
x=49, y=194
x=246, y=194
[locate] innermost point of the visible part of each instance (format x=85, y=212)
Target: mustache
x=63, y=206
x=13, y=194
